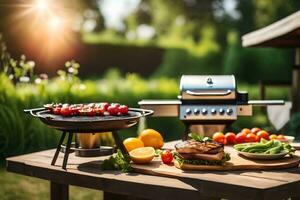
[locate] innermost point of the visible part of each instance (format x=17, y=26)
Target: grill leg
x=119, y=142
x=58, y=148
x=186, y=132
x=68, y=146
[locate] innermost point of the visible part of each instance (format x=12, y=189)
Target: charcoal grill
x=86, y=124
x=207, y=100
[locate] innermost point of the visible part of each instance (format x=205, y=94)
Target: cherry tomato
x=251, y=137
x=65, y=111
x=91, y=105
x=281, y=137
x=255, y=130
x=166, y=157
x=113, y=110
x=230, y=138
x=240, y=137
x=123, y=109
x=273, y=137
x=116, y=104
x=262, y=134
x=91, y=112
x=105, y=106
x=246, y=130
x=56, y=110
x=99, y=111
x=74, y=110
x=219, y=137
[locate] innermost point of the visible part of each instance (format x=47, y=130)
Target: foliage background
x=197, y=37
x=157, y=42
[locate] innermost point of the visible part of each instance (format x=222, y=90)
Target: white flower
x=38, y=81
x=24, y=79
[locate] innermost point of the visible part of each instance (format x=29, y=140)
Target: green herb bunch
x=117, y=161
x=199, y=138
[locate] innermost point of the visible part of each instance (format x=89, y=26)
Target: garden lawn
x=14, y=186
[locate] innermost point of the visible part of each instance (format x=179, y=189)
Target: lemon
x=142, y=155
x=151, y=138
x=132, y=143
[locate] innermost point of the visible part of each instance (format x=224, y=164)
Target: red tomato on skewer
x=56, y=110
x=123, y=109
x=113, y=110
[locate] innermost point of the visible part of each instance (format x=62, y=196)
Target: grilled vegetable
x=91, y=109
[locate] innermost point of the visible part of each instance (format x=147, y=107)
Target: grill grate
x=86, y=124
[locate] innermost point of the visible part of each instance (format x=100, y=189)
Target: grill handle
x=266, y=102
x=227, y=92
x=32, y=111
x=144, y=112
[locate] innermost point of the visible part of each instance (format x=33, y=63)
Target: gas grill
x=206, y=100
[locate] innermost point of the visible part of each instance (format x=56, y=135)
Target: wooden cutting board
x=236, y=163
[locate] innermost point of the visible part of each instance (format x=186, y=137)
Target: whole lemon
x=132, y=143
x=151, y=138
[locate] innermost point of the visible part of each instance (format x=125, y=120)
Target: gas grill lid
x=198, y=87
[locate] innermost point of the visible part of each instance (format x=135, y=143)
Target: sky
x=115, y=11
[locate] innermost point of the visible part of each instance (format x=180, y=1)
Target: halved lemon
x=142, y=155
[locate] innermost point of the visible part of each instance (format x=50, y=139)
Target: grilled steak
x=194, y=147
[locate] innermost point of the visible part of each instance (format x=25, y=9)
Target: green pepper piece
x=240, y=147
x=277, y=148
x=259, y=146
x=256, y=150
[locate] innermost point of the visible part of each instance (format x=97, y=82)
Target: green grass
x=14, y=186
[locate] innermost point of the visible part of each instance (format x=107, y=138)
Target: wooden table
x=85, y=172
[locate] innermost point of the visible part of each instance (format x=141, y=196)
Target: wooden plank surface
x=236, y=163
x=86, y=172
x=283, y=33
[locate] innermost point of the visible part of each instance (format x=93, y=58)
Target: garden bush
x=251, y=65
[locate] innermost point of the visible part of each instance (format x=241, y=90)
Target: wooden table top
x=86, y=172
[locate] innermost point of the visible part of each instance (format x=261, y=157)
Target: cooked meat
x=202, y=156
x=194, y=147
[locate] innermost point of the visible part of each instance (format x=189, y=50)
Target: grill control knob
x=229, y=111
x=221, y=111
x=204, y=111
x=196, y=111
x=213, y=111
x=188, y=111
